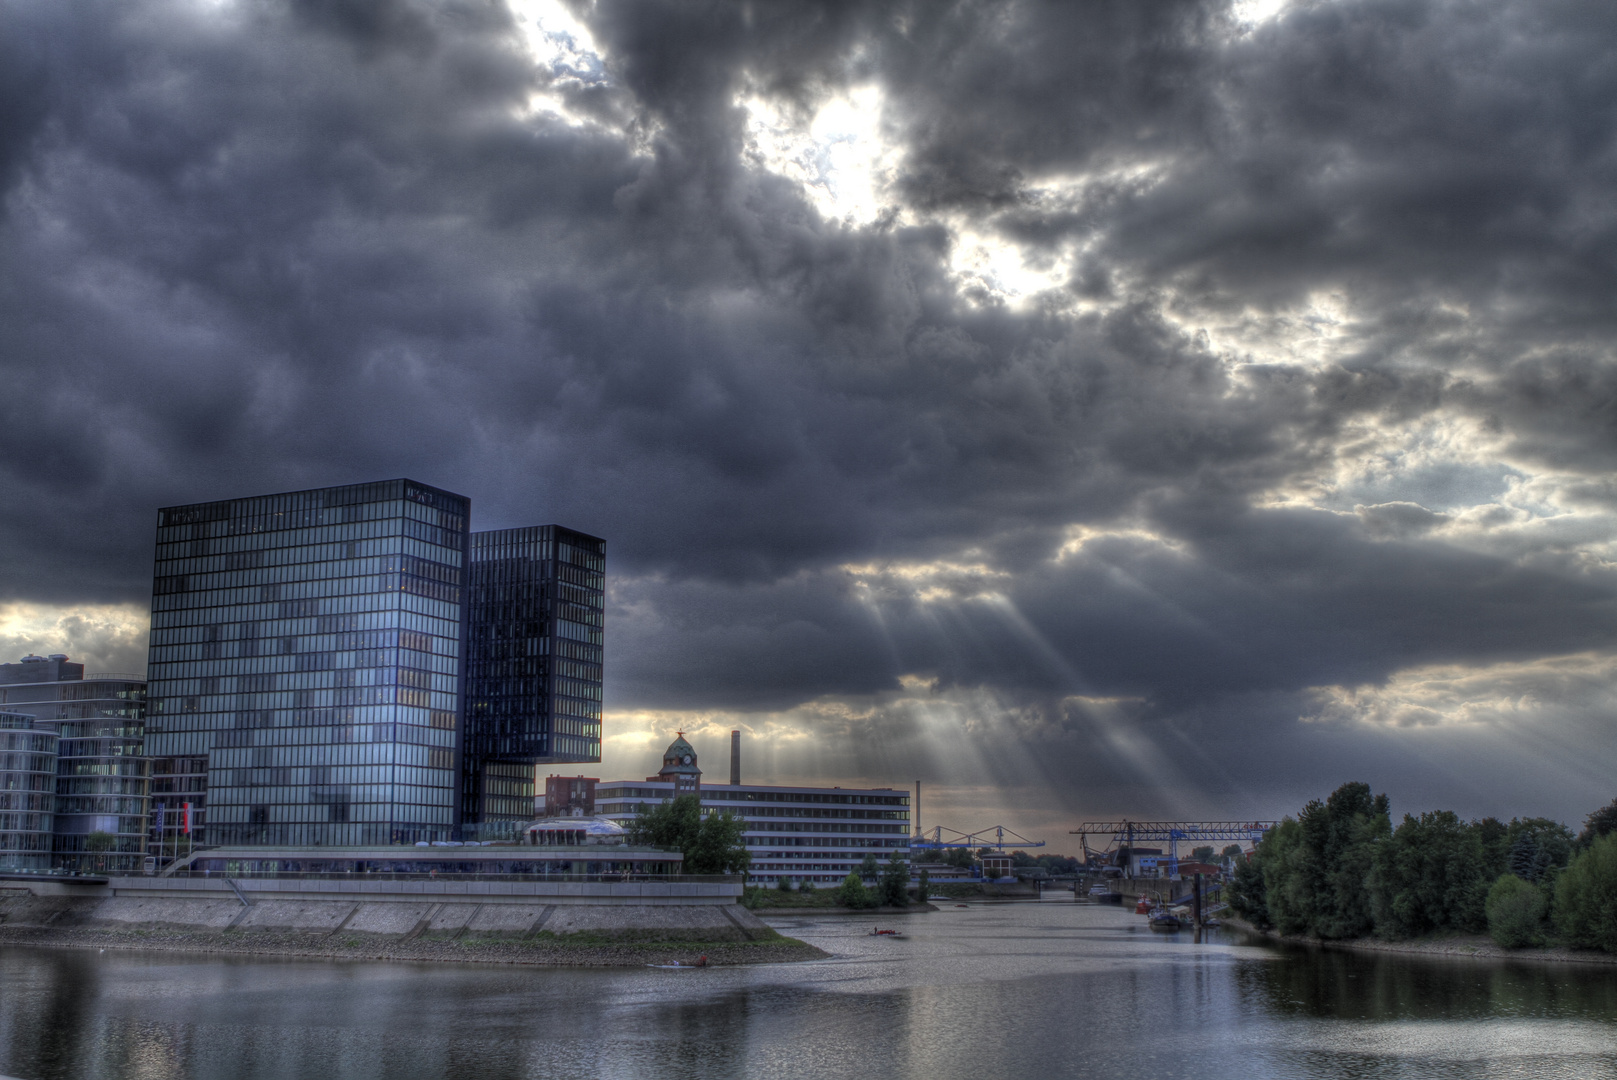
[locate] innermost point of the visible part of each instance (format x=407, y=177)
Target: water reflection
x=1006, y=990
x=1382, y=986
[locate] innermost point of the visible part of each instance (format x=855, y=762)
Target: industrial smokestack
x=735, y=759
x=917, y=814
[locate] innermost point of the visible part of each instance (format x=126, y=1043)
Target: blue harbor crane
x=1127, y=832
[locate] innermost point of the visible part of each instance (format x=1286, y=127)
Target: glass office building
x=102, y=776
x=308, y=646
x=27, y=792
x=533, y=671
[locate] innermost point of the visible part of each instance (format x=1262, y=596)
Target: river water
x=986, y=991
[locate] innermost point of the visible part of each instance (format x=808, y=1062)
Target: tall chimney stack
x=735, y=759
x=915, y=811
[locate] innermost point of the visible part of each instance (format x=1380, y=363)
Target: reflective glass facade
x=102, y=776
x=308, y=646
x=533, y=675
x=27, y=792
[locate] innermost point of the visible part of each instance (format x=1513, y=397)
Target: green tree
x=1248, y=894
x=853, y=894
x=895, y=882
x=1493, y=836
x=1430, y=876
x=1516, y=911
x=671, y=824
x=1203, y=854
x=1316, y=866
x=1586, y=897
x=711, y=844
x=957, y=857
x=806, y=887
x=783, y=884
x=1231, y=851
x=870, y=869
x=1535, y=848
x=1602, y=822
x=924, y=888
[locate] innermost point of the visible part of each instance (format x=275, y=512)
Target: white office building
x=802, y=834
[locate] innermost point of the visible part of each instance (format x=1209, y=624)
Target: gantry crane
x=1128, y=832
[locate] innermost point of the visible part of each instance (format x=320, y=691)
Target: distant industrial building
x=568, y=797
x=102, y=781
x=799, y=834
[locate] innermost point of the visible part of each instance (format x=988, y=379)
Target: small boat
x=962, y=905
x=886, y=933
x=1165, y=921
x=1143, y=907
x=699, y=962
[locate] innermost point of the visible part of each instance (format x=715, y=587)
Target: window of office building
x=307, y=646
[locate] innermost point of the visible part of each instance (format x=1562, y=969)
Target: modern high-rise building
x=353, y=666
x=309, y=645
x=533, y=667
x=100, y=805
x=27, y=792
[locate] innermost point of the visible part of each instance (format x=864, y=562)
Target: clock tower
x=680, y=768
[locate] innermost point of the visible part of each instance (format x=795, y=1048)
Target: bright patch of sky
x=844, y=157
x=563, y=46
x=840, y=155
x=1252, y=12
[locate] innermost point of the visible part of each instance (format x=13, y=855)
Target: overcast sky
x=1085, y=408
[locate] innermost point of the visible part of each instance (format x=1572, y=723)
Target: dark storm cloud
x=261, y=246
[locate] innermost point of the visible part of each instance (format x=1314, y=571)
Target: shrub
x=852, y=893
x=784, y=884
x=806, y=887
x=1586, y=897
x=1516, y=911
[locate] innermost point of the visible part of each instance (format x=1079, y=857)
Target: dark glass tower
x=533, y=686
x=308, y=646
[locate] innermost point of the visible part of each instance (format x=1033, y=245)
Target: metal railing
x=112, y=676
x=534, y=878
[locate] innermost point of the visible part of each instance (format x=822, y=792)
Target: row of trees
x=1340, y=870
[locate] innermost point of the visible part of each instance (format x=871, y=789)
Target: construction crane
x=1128, y=832
x=972, y=840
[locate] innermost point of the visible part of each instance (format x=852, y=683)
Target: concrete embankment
x=487, y=926
x=1459, y=947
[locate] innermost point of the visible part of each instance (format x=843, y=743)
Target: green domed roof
x=680, y=757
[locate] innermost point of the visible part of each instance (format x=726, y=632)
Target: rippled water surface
x=1001, y=990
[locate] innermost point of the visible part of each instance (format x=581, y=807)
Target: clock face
x=686, y=759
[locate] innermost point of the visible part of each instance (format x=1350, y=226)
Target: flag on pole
x=188, y=819
x=159, y=818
